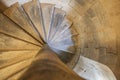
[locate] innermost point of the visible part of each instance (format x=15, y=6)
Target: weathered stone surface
x=90, y=70
x=8, y=58
x=11, y=70
x=8, y=42
x=33, y=11
x=102, y=21
x=10, y=28
x=16, y=14
x=57, y=19
x=47, y=14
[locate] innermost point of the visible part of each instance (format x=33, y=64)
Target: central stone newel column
x=47, y=66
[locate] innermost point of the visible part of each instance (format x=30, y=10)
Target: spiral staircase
x=26, y=29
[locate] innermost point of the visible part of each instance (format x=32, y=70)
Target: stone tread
x=33, y=10
x=16, y=14
x=9, y=27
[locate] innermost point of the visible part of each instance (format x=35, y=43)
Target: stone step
x=18, y=74
x=66, y=24
x=65, y=48
x=9, y=58
x=33, y=10
x=71, y=38
x=67, y=44
x=67, y=41
x=65, y=34
x=8, y=42
x=17, y=14
x=9, y=27
x=11, y=70
x=92, y=70
x=57, y=19
x=47, y=14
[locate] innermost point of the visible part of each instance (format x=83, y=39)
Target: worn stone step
x=9, y=58
x=66, y=48
x=47, y=14
x=11, y=70
x=71, y=38
x=33, y=10
x=66, y=24
x=9, y=27
x=68, y=44
x=16, y=14
x=65, y=34
x=57, y=19
x=17, y=75
x=8, y=42
x=66, y=41
x=90, y=69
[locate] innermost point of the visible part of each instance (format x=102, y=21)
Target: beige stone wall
x=99, y=28
x=98, y=23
